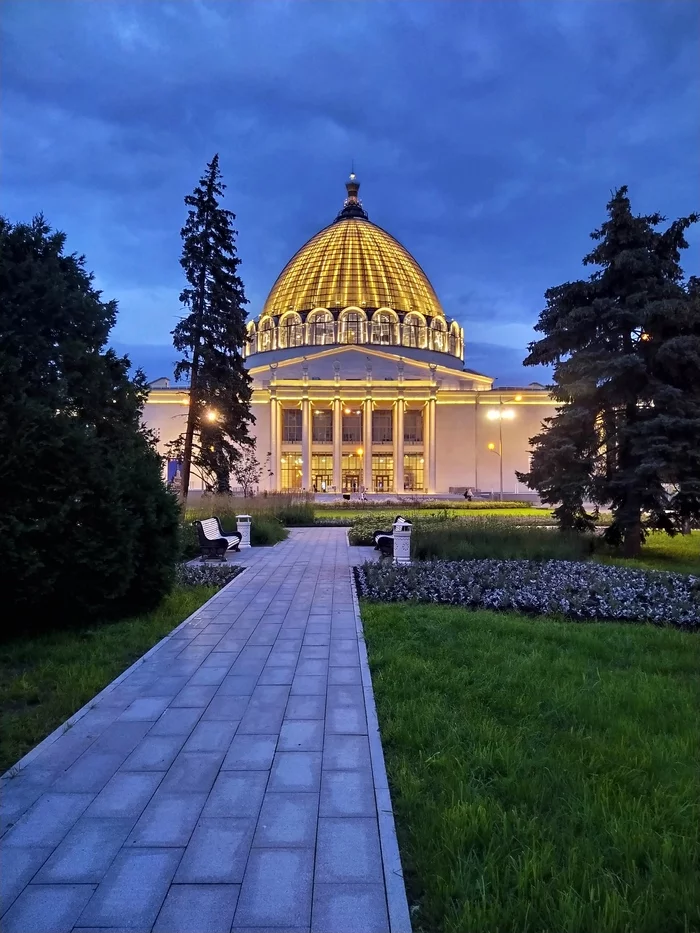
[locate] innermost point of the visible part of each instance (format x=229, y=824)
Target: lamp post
x=499, y=415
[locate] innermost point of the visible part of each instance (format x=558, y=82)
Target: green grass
x=47, y=678
x=680, y=554
x=545, y=776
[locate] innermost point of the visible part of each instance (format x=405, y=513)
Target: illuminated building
x=359, y=378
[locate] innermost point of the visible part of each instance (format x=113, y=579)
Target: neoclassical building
x=359, y=380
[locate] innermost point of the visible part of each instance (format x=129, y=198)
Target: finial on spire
x=352, y=206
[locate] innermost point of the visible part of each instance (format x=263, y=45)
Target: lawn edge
x=77, y=716
x=397, y=901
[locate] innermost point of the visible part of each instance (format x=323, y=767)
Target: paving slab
x=232, y=780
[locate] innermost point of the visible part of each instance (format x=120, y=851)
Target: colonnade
x=367, y=406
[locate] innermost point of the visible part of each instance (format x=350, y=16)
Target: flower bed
x=207, y=574
x=569, y=589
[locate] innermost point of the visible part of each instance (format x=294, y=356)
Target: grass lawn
x=545, y=775
x=47, y=678
x=680, y=554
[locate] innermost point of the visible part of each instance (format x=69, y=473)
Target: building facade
x=359, y=381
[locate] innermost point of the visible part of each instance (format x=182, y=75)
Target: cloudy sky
x=487, y=136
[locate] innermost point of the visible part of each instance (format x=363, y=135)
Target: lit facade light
x=211, y=415
x=347, y=411
x=508, y=414
x=492, y=415
x=359, y=451
x=491, y=446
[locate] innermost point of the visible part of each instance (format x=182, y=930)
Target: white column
x=398, y=444
x=367, y=444
x=305, y=444
x=275, y=479
x=432, y=455
x=337, y=444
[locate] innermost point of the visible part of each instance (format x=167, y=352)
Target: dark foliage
x=87, y=526
x=211, y=337
x=625, y=345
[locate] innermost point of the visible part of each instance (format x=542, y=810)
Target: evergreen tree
x=87, y=526
x=211, y=336
x=625, y=346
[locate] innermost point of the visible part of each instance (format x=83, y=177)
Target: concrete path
x=233, y=778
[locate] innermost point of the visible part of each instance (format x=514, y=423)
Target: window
x=413, y=427
x=291, y=332
x=413, y=473
x=382, y=473
x=291, y=426
x=382, y=426
x=291, y=471
x=352, y=427
x=265, y=335
x=383, y=328
x=322, y=426
x=322, y=330
x=353, y=327
x=413, y=331
x=439, y=336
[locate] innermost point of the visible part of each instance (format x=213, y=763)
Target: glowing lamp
x=492, y=415
x=211, y=415
x=359, y=451
x=491, y=446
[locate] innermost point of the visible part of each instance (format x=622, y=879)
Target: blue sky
x=487, y=136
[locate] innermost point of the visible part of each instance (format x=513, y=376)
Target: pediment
x=353, y=362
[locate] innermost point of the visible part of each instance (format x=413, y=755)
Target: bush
x=416, y=503
x=483, y=537
x=289, y=510
x=451, y=523
x=87, y=527
x=207, y=574
x=565, y=589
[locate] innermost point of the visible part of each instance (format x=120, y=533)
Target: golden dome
x=352, y=262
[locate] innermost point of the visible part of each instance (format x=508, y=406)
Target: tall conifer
x=625, y=346
x=211, y=336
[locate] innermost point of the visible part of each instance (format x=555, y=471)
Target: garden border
x=397, y=901
x=78, y=715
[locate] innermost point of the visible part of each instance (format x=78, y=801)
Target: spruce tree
x=211, y=336
x=625, y=346
x=87, y=527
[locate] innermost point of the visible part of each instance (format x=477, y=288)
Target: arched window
x=291, y=330
x=439, y=329
x=352, y=326
x=321, y=327
x=266, y=335
x=454, y=339
x=414, y=330
x=250, y=341
x=384, y=327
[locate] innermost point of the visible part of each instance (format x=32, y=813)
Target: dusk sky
x=487, y=137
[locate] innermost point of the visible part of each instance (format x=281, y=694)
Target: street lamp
x=500, y=414
x=211, y=415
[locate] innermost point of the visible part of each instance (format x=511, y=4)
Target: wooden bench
x=213, y=542
x=384, y=540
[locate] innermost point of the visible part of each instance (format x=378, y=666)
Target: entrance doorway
x=382, y=482
x=322, y=482
x=351, y=482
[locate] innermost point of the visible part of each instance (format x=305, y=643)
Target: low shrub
x=289, y=510
x=483, y=537
x=567, y=589
x=415, y=503
x=207, y=574
x=363, y=528
x=266, y=530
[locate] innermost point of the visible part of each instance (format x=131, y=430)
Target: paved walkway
x=232, y=779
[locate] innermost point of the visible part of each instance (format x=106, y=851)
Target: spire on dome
x=352, y=206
